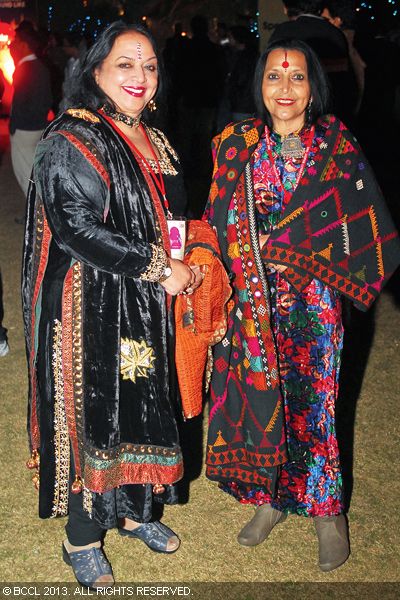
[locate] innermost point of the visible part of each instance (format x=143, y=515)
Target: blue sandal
x=88, y=566
x=155, y=535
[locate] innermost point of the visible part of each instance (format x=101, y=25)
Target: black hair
x=295, y=8
x=73, y=38
x=199, y=25
x=25, y=33
x=86, y=93
x=319, y=85
x=25, y=25
x=241, y=34
x=344, y=9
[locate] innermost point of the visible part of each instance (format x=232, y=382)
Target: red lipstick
x=134, y=90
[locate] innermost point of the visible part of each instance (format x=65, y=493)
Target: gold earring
x=152, y=106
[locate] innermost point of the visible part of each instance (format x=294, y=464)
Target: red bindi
x=285, y=63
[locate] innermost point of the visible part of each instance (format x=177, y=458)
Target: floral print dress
x=309, y=338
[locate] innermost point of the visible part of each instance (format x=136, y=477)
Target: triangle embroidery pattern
x=220, y=440
x=343, y=146
x=331, y=171
x=361, y=273
x=326, y=252
x=284, y=238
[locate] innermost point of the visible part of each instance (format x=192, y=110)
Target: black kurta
x=102, y=383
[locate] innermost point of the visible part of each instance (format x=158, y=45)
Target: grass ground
x=208, y=523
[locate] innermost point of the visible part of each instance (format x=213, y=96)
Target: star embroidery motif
x=136, y=359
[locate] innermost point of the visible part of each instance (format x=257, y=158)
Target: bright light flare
x=6, y=62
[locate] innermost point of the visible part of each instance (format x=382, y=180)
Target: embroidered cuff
x=157, y=265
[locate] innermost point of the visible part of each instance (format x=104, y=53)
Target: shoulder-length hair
x=85, y=91
x=319, y=85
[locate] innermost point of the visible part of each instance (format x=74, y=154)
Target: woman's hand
x=199, y=273
x=279, y=268
x=263, y=240
x=181, y=278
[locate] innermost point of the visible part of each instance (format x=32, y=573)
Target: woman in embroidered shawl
x=97, y=287
x=300, y=221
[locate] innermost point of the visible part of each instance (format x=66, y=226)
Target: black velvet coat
x=102, y=386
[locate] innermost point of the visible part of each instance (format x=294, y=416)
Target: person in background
x=31, y=103
x=342, y=13
x=56, y=61
x=74, y=47
x=301, y=222
x=174, y=57
x=241, y=75
x=222, y=34
x=224, y=40
x=203, y=75
x=330, y=44
x=97, y=287
x=4, y=347
x=381, y=53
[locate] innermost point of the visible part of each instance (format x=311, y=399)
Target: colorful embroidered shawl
x=336, y=226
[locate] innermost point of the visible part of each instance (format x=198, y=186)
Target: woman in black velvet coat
x=97, y=286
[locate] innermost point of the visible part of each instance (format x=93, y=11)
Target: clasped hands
x=184, y=279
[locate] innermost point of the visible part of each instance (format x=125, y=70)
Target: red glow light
x=6, y=62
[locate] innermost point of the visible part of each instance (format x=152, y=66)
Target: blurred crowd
x=211, y=73
x=210, y=70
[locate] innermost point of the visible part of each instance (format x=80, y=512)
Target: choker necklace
x=119, y=116
x=291, y=145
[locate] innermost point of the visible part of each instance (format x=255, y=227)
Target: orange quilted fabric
x=200, y=319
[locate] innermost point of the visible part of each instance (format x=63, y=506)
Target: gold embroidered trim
x=158, y=264
x=130, y=463
x=209, y=368
x=104, y=480
x=61, y=437
x=137, y=358
x=77, y=368
x=87, y=501
x=83, y=113
x=167, y=454
x=165, y=151
x=40, y=244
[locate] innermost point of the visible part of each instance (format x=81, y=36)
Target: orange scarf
x=201, y=318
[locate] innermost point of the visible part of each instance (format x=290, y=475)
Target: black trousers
x=80, y=528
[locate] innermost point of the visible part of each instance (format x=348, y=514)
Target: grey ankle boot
x=333, y=538
x=258, y=529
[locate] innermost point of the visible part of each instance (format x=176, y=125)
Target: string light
x=380, y=11
x=49, y=16
x=377, y=10
x=254, y=25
